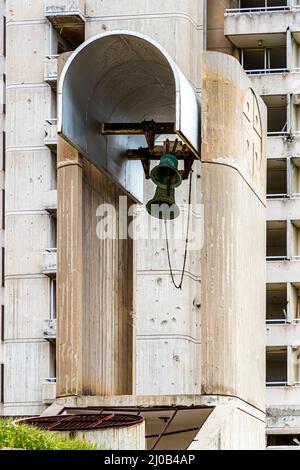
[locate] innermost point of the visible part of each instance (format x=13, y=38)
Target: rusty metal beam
x=138, y=128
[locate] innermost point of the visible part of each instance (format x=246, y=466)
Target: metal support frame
x=146, y=154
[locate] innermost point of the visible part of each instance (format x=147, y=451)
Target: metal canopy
x=123, y=77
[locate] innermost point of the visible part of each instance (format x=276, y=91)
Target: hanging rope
x=179, y=286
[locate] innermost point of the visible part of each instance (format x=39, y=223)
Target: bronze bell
x=166, y=174
x=163, y=205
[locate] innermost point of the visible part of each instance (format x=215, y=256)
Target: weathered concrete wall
x=95, y=291
x=283, y=417
x=2, y=168
x=167, y=320
x=125, y=438
x=232, y=425
x=28, y=177
x=216, y=41
x=233, y=257
x=178, y=25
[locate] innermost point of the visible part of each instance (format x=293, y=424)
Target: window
x=295, y=302
x=277, y=305
x=278, y=440
x=253, y=59
x=262, y=3
x=295, y=176
x=52, y=364
x=53, y=231
x=265, y=58
x=276, y=240
x=52, y=299
x=276, y=366
x=295, y=238
x=276, y=178
x=277, y=113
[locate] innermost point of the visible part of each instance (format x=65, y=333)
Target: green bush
x=22, y=436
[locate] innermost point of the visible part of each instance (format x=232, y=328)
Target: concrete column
x=69, y=272
x=233, y=255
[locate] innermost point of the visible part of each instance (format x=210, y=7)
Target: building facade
x=263, y=37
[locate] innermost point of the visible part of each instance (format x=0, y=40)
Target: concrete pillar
x=233, y=255
x=95, y=285
x=69, y=272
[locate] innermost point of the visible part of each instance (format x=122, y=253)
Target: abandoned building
x=95, y=94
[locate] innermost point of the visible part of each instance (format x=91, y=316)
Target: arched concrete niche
x=123, y=77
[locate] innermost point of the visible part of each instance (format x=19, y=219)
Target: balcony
x=278, y=334
x=62, y=12
x=51, y=134
x=50, y=262
x=275, y=81
x=49, y=330
x=287, y=395
x=49, y=391
x=246, y=26
x=283, y=271
x=283, y=208
x=50, y=70
x=279, y=146
x=68, y=18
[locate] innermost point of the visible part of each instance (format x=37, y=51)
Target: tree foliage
x=21, y=436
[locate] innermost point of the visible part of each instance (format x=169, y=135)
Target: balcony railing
x=268, y=71
x=50, y=262
x=276, y=384
x=234, y=11
x=280, y=321
x=278, y=196
x=49, y=330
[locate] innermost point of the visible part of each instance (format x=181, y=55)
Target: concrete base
x=225, y=423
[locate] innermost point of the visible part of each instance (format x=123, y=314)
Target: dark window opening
x=277, y=114
x=254, y=59
x=277, y=239
x=276, y=366
x=52, y=364
x=262, y=3
x=53, y=231
x=276, y=177
x=276, y=298
x=275, y=440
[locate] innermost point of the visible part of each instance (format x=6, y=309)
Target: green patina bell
x=163, y=205
x=166, y=174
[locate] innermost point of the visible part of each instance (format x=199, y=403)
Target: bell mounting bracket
x=152, y=152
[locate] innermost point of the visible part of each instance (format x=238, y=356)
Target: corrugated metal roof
x=84, y=422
